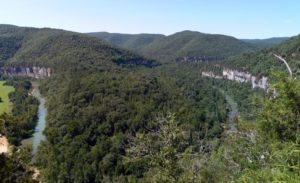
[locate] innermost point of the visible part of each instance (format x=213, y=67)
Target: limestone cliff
x=33, y=72
x=255, y=81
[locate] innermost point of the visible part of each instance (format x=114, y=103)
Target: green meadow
x=5, y=105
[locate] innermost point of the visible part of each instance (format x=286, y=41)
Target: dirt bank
x=4, y=146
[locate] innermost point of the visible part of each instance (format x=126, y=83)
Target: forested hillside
x=95, y=105
x=194, y=45
x=263, y=61
x=116, y=116
x=61, y=50
x=134, y=42
x=263, y=43
x=96, y=113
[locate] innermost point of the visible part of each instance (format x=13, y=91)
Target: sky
x=239, y=18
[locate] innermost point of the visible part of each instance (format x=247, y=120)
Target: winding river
x=38, y=135
x=233, y=110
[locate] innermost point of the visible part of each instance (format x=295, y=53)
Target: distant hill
x=262, y=61
x=129, y=41
x=187, y=44
x=266, y=42
x=60, y=49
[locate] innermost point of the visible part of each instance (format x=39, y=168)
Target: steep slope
x=130, y=41
x=11, y=38
x=95, y=106
x=262, y=61
x=186, y=46
x=60, y=49
x=195, y=44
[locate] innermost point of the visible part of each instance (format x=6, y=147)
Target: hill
x=263, y=43
x=130, y=41
x=262, y=61
x=95, y=105
x=60, y=49
x=182, y=46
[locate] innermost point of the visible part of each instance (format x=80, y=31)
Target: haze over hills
x=179, y=45
x=266, y=42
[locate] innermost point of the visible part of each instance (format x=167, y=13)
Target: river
x=38, y=135
x=233, y=110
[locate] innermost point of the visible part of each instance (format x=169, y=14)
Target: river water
x=233, y=110
x=38, y=135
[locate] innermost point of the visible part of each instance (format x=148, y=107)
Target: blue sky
x=239, y=18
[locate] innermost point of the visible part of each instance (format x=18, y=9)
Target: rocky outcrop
x=242, y=77
x=211, y=74
x=33, y=72
x=200, y=58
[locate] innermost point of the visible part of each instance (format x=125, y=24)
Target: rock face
x=33, y=72
x=256, y=82
x=200, y=58
x=211, y=74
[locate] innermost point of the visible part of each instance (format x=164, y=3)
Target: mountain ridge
x=178, y=45
x=59, y=49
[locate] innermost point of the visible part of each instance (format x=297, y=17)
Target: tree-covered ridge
x=269, y=42
x=262, y=61
x=61, y=50
x=20, y=123
x=99, y=114
x=92, y=115
x=179, y=45
x=130, y=41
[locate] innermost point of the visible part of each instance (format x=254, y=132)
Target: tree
x=161, y=148
x=167, y=153
x=280, y=118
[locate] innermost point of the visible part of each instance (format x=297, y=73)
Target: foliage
x=280, y=117
x=13, y=169
x=62, y=50
x=96, y=104
x=91, y=116
x=129, y=41
x=179, y=45
x=5, y=90
x=267, y=151
x=262, y=62
x=161, y=148
x=22, y=120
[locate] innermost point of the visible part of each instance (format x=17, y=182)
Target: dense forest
x=179, y=45
x=19, y=124
x=116, y=116
x=264, y=61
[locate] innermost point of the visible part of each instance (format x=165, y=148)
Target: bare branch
x=286, y=64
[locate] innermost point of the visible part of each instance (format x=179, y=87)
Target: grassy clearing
x=5, y=105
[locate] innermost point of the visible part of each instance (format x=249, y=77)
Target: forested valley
x=117, y=116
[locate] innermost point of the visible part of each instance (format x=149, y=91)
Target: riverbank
x=4, y=145
x=38, y=135
x=5, y=106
